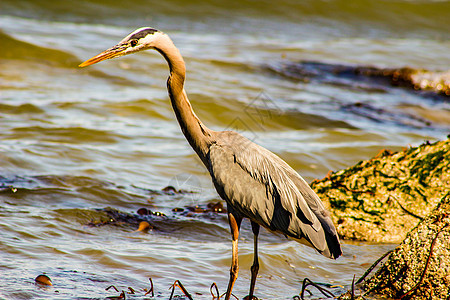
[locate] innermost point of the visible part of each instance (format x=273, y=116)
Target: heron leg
x=235, y=224
x=255, y=266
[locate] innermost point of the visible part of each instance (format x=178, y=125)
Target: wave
x=415, y=14
x=433, y=87
x=26, y=108
x=19, y=50
x=125, y=207
x=70, y=135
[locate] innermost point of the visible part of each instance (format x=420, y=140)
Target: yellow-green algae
x=381, y=199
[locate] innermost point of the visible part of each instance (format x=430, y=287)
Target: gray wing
x=261, y=186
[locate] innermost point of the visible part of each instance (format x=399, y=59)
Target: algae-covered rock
x=419, y=268
x=438, y=82
x=381, y=199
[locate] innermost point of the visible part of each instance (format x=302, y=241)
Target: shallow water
x=77, y=141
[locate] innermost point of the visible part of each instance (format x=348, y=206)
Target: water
x=77, y=141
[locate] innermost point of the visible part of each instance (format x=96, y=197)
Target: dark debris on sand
x=145, y=219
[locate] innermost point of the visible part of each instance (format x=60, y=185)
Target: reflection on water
x=79, y=144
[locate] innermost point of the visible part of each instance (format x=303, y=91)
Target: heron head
x=140, y=39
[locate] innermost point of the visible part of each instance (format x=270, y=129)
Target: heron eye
x=133, y=43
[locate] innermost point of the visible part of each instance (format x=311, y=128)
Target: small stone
x=43, y=279
x=143, y=211
x=144, y=226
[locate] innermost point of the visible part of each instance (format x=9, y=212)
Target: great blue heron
x=255, y=183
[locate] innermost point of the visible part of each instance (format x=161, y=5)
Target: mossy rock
x=381, y=199
x=419, y=268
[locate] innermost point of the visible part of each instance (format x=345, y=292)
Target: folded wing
x=261, y=186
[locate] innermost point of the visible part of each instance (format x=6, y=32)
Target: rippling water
x=76, y=143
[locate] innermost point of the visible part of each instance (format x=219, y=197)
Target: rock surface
x=382, y=199
x=438, y=82
x=419, y=268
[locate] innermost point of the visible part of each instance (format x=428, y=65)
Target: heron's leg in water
x=235, y=224
x=255, y=266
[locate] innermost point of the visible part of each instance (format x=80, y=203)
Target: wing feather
x=261, y=186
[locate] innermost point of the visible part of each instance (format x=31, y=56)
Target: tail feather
x=333, y=249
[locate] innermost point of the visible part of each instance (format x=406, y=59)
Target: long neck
x=197, y=134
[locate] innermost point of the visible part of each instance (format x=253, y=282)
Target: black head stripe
x=143, y=33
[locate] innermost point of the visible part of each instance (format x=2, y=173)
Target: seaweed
x=423, y=167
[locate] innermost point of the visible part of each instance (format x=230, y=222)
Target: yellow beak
x=110, y=53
